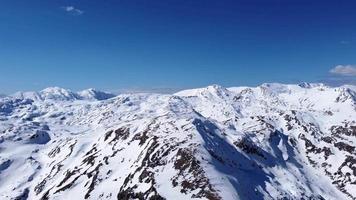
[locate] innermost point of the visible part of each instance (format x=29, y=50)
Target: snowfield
x=274, y=141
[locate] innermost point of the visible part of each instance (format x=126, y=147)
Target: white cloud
x=344, y=70
x=73, y=10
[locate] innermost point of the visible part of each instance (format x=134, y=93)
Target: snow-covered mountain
x=274, y=141
x=60, y=94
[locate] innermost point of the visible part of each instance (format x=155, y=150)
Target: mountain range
x=273, y=141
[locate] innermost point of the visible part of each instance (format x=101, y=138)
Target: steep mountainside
x=274, y=141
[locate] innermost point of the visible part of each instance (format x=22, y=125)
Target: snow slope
x=273, y=141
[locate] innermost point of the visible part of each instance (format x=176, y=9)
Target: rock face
x=270, y=142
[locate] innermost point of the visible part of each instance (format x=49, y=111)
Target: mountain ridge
x=61, y=94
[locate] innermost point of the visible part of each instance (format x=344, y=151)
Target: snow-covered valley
x=274, y=141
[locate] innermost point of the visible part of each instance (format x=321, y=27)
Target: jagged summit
x=214, y=89
x=273, y=141
x=310, y=85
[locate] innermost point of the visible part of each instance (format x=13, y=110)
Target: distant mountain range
x=60, y=94
x=274, y=141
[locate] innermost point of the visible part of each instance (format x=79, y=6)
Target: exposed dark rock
x=40, y=137
x=344, y=147
x=187, y=163
x=247, y=146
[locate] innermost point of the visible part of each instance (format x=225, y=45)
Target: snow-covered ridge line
x=61, y=94
x=275, y=87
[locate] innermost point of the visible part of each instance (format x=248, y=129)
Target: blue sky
x=116, y=44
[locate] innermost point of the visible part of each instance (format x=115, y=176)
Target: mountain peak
x=93, y=94
x=57, y=93
x=61, y=94
x=310, y=85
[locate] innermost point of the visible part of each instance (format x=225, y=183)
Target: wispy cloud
x=344, y=42
x=72, y=10
x=337, y=80
x=344, y=70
